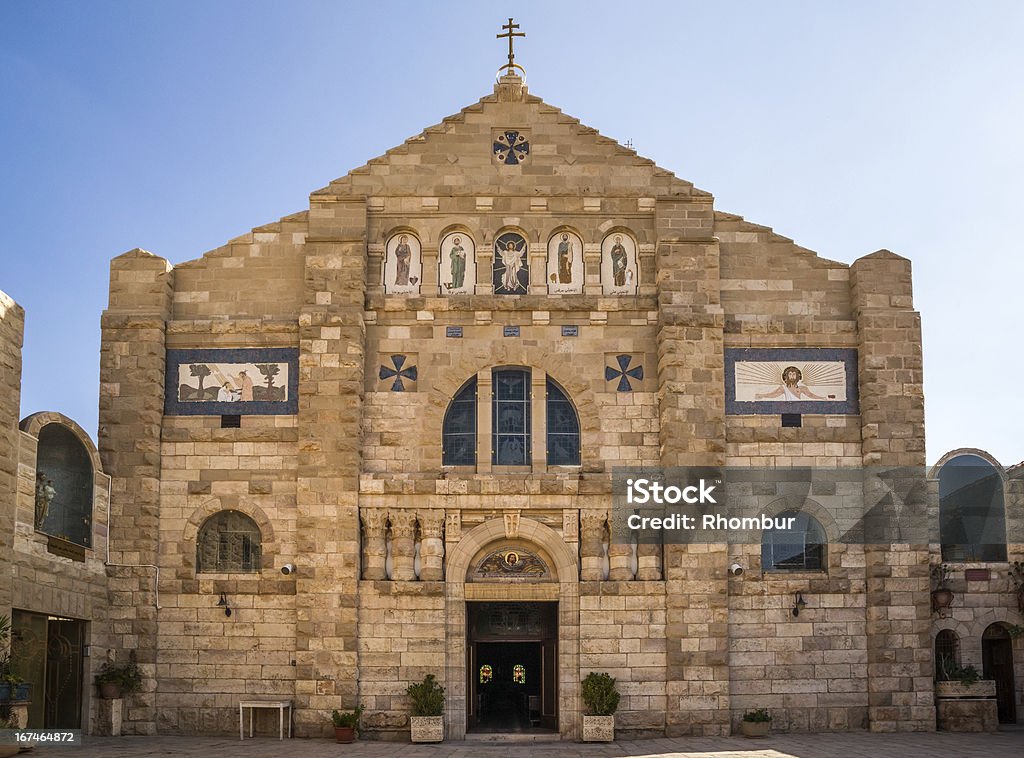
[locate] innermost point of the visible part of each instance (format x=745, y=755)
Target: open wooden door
x=549, y=684
x=997, y=660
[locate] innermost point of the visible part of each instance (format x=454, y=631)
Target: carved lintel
x=512, y=524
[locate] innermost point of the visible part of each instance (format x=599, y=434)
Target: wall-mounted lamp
x=223, y=603
x=799, y=604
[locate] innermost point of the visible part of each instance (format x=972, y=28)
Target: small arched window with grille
x=228, y=541
x=947, y=654
x=801, y=548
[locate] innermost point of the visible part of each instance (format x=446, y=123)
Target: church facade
x=375, y=440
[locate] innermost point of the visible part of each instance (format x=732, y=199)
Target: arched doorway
x=512, y=596
x=997, y=661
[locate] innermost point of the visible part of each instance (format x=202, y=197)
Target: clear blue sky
x=848, y=127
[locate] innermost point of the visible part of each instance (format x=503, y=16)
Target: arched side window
x=801, y=548
x=64, y=482
x=228, y=541
x=519, y=674
x=510, y=417
x=947, y=654
x=972, y=517
x=458, y=444
x=563, y=428
x=486, y=674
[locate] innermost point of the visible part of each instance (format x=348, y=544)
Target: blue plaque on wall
x=510, y=331
x=453, y=331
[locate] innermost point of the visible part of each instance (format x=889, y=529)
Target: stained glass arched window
x=458, y=447
x=510, y=417
x=228, y=541
x=486, y=674
x=519, y=674
x=563, y=428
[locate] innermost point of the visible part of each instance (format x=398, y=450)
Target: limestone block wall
x=256, y=275
x=810, y=670
x=401, y=640
x=622, y=632
x=132, y=358
x=12, y=327
x=207, y=661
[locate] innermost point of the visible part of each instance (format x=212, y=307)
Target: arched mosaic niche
x=510, y=563
x=64, y=486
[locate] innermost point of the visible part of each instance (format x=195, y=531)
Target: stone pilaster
x=431, y=545
x=403, y=546
x=648, y=559
x=375, y=549
x=691, y=404
x=900, y=668
x=12, y=327
x=132, y=360
x=592, y=529
x=620, y=556
x=332, y=350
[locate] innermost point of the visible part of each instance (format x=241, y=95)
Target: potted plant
x=942, y=595
x=426, y=723
x=346, y=724
x=962, y=681
x=601, y=699
x=115, y=680
x=756, y=723
x=13, y=688
x=8, y=720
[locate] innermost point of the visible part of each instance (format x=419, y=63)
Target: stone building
x=413, y=395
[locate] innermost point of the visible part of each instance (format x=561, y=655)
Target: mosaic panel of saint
x=457, y=264
x=790, y=382
x=565, y=263
x=511, y=272
x=619, y=273
x=403, y=269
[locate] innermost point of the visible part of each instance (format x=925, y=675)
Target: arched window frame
x=778, y=545
x=563, y=427
x=459, y=432
x=480, y=400
x=217, y=555
x=972, y=510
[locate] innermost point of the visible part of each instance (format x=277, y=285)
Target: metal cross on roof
x=511, y=34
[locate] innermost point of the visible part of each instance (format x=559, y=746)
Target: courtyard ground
x=844, y=745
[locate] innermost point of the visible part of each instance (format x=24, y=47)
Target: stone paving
x=844, y=745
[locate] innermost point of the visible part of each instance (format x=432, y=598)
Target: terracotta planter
x=598, y=728
x=345, y=734
x=110, y=690
x=755, y=728
x=942, y=598
x=426, y=728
